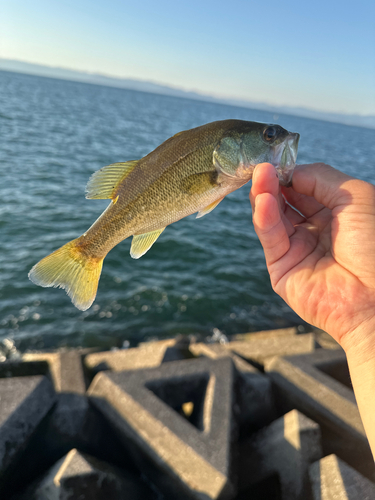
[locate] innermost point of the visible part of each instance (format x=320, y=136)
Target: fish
x=190, y=172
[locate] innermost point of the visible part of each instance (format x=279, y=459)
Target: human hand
x=322, y=263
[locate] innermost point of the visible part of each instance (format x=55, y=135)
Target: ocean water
x=202, y=274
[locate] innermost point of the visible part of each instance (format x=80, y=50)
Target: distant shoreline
x=20, y=67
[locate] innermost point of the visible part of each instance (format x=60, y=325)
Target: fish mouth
x=284, y=158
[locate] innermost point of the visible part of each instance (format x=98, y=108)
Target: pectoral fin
x=103, y=184
x=199, y=183
x=208, y=209
x=143, y=242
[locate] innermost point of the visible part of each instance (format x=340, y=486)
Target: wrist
x=359, y=343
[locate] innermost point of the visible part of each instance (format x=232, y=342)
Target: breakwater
x=262, y=415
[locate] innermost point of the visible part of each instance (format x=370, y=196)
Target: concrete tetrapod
x=286, y=447
x=255, y=403
x=25, y=402
x=78, y=476
x=179, y=418
x=333, y=479
x=69, y=418
x=260, y=349
x=185, y=428
x=147, y=355
x=318, y=385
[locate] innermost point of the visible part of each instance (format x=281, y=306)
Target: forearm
x=359, y=346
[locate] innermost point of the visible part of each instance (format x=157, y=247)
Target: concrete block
x=51, y=358
x=147, y=355
x=47, y=445
x=317, y=385
x=69, y=418
x=71, y=373
x=279, y=332
x=71, y=414
x=267, y=489
x=286, y=447
x=155, y=344
x=179, y=417
x=80, y=476
x=65, y=367
x=18, y=368
x=68, y=421
x=333, y=479
x=217, y=351
x=323, y=339
x=259, y=350
x=24, y=402
x=254, y=406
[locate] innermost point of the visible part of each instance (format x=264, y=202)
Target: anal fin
x=209, y=208
x=143, y=242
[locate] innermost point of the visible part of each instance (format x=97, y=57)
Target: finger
x=270, y=227
x=306, y=205
x=265, y=180
x=325, y=184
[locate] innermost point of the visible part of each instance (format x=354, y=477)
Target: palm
x=314, y=261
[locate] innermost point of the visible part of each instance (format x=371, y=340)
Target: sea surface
x=203, y=276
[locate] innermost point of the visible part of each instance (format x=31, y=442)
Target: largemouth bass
x=190, y=172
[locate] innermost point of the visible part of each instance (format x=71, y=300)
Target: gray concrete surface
x=173, y=427
x=145, y=405
x=317, y=384
x=24, y=403
x=286, y=447
x=78, y=476
x=259, y=350
x=333, y=479
x=146, y=356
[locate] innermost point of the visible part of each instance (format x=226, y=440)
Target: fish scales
x=154, y=195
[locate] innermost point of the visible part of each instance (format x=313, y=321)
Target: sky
x=315, y=54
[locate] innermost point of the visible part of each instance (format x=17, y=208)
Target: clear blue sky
x=316, y=54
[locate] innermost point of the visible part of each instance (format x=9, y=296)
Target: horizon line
x=300, y=111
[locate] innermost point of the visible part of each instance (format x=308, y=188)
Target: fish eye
x=270, y=134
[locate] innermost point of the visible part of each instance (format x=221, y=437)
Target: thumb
x=270, y=228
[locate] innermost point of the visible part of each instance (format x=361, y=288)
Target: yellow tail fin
x=70, y=269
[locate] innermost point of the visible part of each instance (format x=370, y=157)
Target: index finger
x=306, y=205
x=323, y=183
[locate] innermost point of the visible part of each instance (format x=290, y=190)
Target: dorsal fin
x=103, y=184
